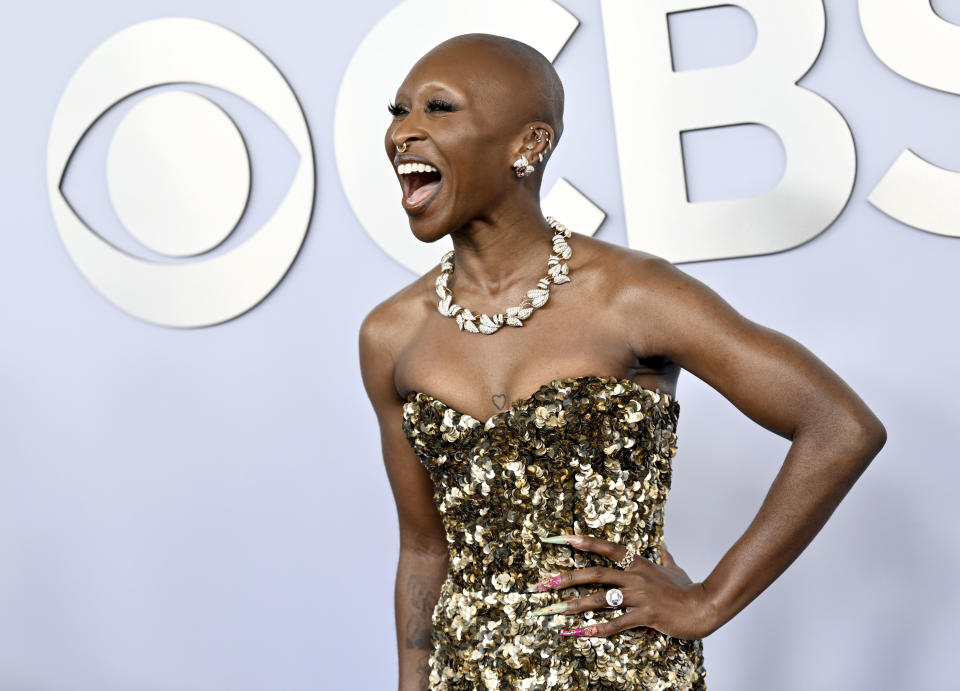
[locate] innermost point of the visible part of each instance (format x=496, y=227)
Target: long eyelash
x=439, y=104
x=432, y=104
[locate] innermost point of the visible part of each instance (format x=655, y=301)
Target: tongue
x=423, y=192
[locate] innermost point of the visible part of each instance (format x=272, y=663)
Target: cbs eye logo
x=178, y=173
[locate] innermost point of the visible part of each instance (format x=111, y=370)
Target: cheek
x=479, y=168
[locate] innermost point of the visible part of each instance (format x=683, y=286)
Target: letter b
x=652, y=105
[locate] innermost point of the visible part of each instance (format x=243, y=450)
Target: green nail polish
x=557, y=539
x=555, y=608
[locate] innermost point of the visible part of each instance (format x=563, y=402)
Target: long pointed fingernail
x=555, y=608
x=580, y=631
x=545, y=584
x=557, y=539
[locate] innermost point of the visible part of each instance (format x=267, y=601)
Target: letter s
x=917, y=44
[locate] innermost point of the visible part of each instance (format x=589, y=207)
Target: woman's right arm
x=422, y=564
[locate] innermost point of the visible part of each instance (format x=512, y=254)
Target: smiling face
x=464, y=112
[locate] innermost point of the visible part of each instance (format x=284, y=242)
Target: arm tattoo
x=423, y=675
x=420, y=622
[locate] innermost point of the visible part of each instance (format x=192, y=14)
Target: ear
x=536, y=143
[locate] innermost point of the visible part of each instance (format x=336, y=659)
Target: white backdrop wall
x=206, y=509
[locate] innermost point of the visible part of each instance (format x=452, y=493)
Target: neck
x=497, y=254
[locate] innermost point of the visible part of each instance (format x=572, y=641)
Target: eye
x=396, y=110
x=215, y=153
x=439, y=104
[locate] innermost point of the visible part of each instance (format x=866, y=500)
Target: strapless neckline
x=524, y=402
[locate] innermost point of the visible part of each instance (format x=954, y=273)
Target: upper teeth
x=405, y=168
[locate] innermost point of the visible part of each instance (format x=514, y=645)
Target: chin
x=427, y=228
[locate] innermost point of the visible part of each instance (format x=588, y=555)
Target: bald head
x=529, y=81
x=470, y=109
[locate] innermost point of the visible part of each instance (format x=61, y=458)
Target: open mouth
x=420, y=182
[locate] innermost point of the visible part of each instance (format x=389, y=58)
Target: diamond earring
x=522, y=166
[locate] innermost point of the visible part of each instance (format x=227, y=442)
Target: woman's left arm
x=783, y=387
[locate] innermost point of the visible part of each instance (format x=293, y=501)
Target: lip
x=412, y=158
x=421, y=206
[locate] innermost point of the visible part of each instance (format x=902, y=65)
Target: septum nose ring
x=402, y=148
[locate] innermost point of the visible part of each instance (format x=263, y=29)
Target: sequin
x=586, y=455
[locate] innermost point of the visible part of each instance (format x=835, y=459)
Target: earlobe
x=522, y=167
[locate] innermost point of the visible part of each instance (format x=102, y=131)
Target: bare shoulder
x=384, y=332
x=768, y=375
x=666, y=312
x=636, y=280
x=615, y=260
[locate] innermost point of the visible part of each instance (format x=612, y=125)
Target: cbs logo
x=193, y=137
x=178, y=173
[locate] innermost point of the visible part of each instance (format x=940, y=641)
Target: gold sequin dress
x=587, y=455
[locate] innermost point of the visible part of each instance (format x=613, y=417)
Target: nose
x=408, y=130
x=401, y=141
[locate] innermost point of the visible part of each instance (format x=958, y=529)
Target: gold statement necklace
x=514, y=316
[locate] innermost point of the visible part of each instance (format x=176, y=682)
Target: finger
x=590, y=574
x=603, y=629
x=574, y=605
x=665, y=557
x=611, y=550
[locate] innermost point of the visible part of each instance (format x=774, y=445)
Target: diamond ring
x=614, y=597
x=628, y=559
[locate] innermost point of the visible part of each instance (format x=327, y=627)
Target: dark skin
x=625, y=313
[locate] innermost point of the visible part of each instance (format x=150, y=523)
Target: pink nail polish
x=548, y=583
x=580, y=631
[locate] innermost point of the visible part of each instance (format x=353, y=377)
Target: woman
x=530, y=465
